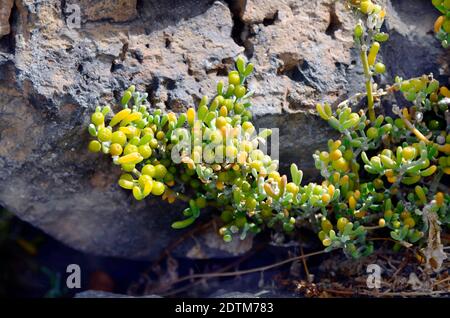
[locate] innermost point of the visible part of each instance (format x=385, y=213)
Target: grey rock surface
x=102, y=294
x=53, y=75
x=5, y=12
x=218, y=294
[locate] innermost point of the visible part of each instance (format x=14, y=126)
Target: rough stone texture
x=5, y=12
x=53, y=76
x=114, y=10
x=46, y=94
x=303, y=48
x=411, y=45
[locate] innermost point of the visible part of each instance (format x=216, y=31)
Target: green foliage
x=442, y=24
x=381, y=179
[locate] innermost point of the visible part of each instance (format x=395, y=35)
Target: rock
x=207, y=244
x=114, y=10
x=233, y=294
x=304, y=48
x=261, y=293
x=102, y=294
x=52, y=76
x=58, y=77
x=218, y=294
x=411, y=42
x=5, y=12
x=297, y=145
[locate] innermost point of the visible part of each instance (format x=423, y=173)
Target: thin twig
x=247, y=271
x=442, y=281
x=340, y=292
x=402, y=266
x=304, y=261
x=391, y=294
x=225, y=268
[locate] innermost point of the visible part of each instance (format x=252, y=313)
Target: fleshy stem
x=368, y=76
x=414, y=130
x=418, y=134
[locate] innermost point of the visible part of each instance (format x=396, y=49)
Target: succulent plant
x=442, y=23
x=382, y=178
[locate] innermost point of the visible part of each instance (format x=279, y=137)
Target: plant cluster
x=442, y=23
x=382, y=178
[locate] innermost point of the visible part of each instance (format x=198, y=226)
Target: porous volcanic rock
x=53, y=74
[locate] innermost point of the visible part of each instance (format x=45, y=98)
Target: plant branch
x=368, y=75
